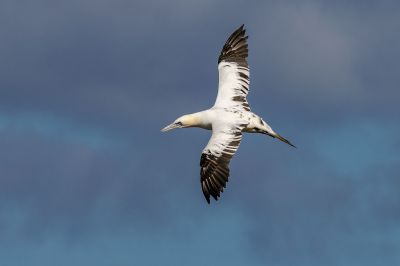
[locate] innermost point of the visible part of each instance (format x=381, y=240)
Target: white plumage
x=228, y=118
x=233, y=82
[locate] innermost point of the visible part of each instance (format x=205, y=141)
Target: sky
x=87, y=178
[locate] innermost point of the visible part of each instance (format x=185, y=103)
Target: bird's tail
x=267, y=130
x=276, y=135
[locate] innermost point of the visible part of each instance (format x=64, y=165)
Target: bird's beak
x=276, y=135
x=171, y=126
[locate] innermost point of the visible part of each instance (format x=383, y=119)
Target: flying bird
x=228, y=118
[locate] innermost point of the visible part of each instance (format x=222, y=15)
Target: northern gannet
x=228, y=118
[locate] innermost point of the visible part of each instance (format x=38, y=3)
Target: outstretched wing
x=234, y=72
x=215, y=159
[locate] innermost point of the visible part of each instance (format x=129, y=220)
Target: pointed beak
x=276, y=135
x=170, y=127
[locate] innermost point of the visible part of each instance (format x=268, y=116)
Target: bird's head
x=181, y=122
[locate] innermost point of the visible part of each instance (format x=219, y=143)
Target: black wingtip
x=235, y=48
x=206, y=192
x=209, y=191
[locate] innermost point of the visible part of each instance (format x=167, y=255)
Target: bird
x=228, y=118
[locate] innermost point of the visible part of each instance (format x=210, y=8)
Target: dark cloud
x=86, y=86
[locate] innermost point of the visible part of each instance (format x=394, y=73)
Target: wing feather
x=215, y=159
x=234, y=74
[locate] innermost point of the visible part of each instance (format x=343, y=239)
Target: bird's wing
x=215, y=158
x=234, y=72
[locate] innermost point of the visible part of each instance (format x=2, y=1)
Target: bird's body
x=228, y=118
x=217, y=115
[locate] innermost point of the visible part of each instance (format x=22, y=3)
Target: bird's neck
x=199, y=119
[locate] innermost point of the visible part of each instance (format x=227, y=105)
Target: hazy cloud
x=87, y=177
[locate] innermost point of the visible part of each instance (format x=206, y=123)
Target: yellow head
x=181, y=122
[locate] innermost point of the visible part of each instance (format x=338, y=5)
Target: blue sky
x=87, y=178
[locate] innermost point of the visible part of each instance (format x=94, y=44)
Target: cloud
x=330, y=197
x=86, y=87
x=318, y=57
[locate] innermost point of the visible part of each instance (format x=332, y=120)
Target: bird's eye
x=179, y=123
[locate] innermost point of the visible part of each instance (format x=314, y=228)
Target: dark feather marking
x=235, y=49
x=244, y=80
x=243, y=75
x=214, y=171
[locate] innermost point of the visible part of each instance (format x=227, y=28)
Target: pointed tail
x=284, y=140
x=276, y=135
